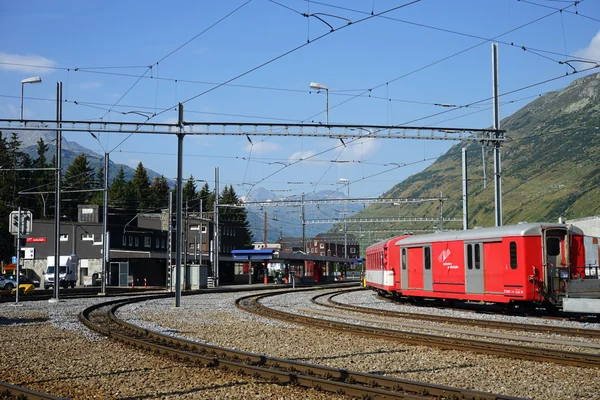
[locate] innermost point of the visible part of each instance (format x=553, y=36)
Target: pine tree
x=160, y=192
x=79, y=176
x=207, y=197
x=6, y=239
x=236, y=215
x=43, y=180
x=15, y=160
x=189, y=191
x=118, y=192
x=140, y=187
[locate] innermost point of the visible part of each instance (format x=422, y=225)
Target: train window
x=553, y=244
x=470, y=256
x=477, y=256
x=427, y=257
x=404, y=259
x=513, y=255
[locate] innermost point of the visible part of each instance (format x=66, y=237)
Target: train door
x=474, y=282
x=427, y=281
x=553, y=256
x=404, y=268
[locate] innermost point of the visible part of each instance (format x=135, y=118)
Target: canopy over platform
x=253, y=255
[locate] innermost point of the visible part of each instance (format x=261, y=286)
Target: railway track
x=77, y=293
x=10, y=392
x=101, y=318
x=462, y=321
x=252, y=304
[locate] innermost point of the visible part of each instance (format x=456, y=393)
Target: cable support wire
x=439, y=61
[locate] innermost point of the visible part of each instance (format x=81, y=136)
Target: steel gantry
x=333, y=131
x=363, y=200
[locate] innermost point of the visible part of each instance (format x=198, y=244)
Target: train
x=550, y=265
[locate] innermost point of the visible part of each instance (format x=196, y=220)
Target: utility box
x=196, y=277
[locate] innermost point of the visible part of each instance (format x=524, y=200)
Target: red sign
x=36, y=240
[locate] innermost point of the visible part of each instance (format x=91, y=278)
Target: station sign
x=36, y=240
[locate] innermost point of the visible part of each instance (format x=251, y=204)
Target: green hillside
x=550, y=167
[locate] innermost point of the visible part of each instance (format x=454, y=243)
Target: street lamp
x=318, y=86
x=347, y=182
x=33, y=79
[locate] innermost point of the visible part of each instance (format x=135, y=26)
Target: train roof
x=524, y=229
x=382, y=242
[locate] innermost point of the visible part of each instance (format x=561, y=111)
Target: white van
x=67, y=271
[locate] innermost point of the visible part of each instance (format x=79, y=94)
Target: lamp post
x=319, y=87
x=347, y=182
x=33, y=79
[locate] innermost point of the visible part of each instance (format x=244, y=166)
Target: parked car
x=26, y=285
x=6, y=283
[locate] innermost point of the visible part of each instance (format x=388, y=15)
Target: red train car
x=380, y=260
x=526, y=263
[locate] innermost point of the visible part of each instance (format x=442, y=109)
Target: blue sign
x=14, y=259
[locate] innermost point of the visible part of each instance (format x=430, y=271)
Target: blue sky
x=100, y=49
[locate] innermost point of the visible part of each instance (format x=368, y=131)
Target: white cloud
x=30, y=64
x=170, y=120
x=261, y=147
x=363, y=148
x=301, y=155
x=90, y=85
x=10, y=110
x=591, y=52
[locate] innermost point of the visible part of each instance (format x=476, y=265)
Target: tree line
x=29, y=182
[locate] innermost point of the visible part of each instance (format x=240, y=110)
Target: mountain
x=286, y=221
x=70, y=150
x=549, y=166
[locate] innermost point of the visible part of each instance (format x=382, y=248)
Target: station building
x=140, y=246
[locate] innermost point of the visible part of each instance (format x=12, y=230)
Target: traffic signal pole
x=19, y=225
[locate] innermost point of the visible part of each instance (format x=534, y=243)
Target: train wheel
x=449, y=302
x=551, y=308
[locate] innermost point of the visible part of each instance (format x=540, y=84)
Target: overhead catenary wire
x=574, y=3
x=292, y=51
x=442, y=59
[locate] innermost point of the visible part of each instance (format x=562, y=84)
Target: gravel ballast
x=213, y=319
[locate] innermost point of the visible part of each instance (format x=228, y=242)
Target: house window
x=64, y=237
x=352, y=250
x=124, y=240
x=87, y=237
x=157, y=243
x=130, y=240
x=315, y=243
x=322, y=246
x=194, y=227
x=203, y=229
x=137, y=241
x=163, y=242
x=322, y=253
x=147, y=241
